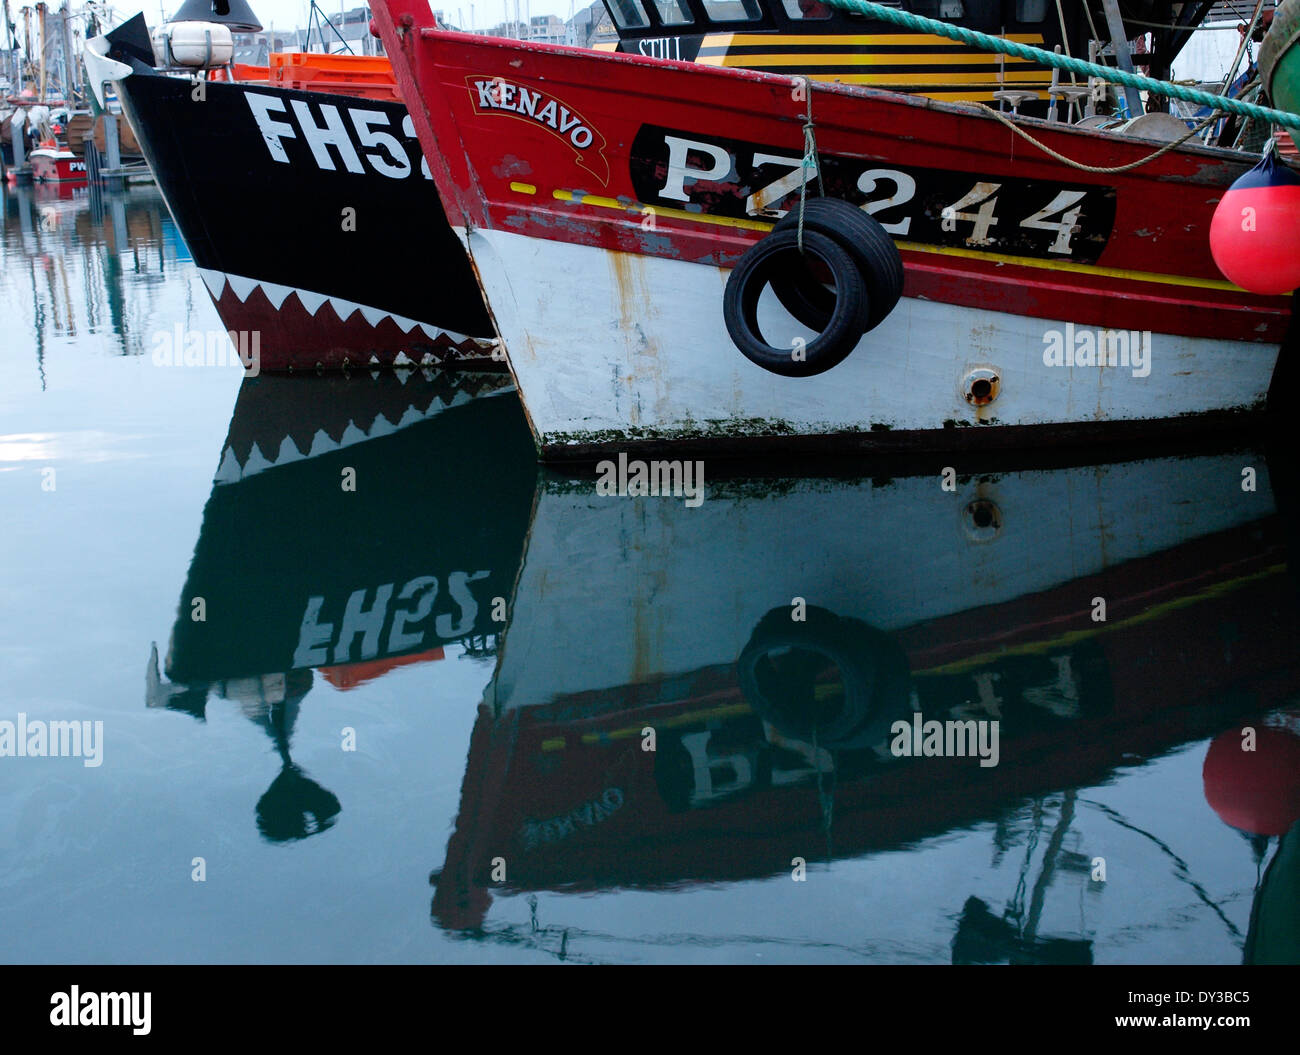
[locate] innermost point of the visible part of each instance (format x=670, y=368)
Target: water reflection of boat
x=365, y=502
x=773, y=737
x=63, y=191
x=92, y=264
x=354, y=526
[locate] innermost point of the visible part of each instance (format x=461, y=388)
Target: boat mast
x=40, y=19
x=10, y=45
x=27, y=44
x=69, y=64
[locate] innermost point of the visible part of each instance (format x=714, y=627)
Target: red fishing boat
x=611, y=205
x=52, y=163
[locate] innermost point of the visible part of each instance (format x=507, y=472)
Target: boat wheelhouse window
x=1031, y=10
x=627, y=14
x=673, y=12
x=805, y=9
x=733, y=10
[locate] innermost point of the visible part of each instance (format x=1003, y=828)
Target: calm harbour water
x=406, y=722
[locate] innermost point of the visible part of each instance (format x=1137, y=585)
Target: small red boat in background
x=52, y=163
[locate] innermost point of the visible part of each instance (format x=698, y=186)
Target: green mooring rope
x=1064, y=62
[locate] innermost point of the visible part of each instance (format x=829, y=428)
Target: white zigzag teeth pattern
x=214, y=280
x=276, y=293
x=311, y=301
x=242, y=287
x=230, y=471
x=344, y=308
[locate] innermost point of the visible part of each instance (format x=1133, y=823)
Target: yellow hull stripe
x=741, y=40
x=933, y=78
x=855, y=58
x=1071, y=266
x=659, y=210
x=913, y=247
x=966, y=96
x=714, y=40
x=726, y=710
x=1072, y=637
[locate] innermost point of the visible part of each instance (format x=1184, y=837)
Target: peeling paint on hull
x=647, y=363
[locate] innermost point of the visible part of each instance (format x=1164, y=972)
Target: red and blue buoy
x=1255, y=233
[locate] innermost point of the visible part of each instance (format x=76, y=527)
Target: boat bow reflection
x=709, y=695
x=354, y=526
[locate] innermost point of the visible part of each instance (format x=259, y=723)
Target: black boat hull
x=335, y=251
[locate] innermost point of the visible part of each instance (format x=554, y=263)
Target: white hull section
x=608, y=347
x=606, y=580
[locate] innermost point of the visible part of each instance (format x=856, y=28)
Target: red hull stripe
x=697, y=155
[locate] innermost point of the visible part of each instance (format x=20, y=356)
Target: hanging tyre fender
x=873, y=669
x=778, y=255
x=865, y=240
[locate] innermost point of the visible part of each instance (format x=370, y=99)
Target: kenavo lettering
x=498, y=96
x=503, y=95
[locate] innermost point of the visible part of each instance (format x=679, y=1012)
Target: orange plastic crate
x=336, y=67
x=370, y=76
